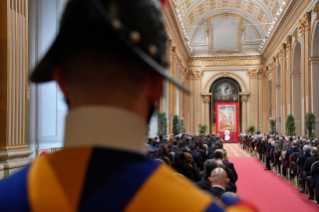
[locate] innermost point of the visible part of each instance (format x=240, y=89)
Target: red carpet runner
x=267, y=191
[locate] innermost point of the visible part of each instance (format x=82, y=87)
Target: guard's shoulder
x=13, y=192
x=166, y=189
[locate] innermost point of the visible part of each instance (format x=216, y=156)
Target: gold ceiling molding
x=192, y=10
x=227, y=57
x=291, y=16
x=224, y=63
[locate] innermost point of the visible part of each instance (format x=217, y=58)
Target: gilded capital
x=264, y=72
x=244, y=98
x=253, y=73
x=304, y=23
x=206, y=99
x=197, y=74
x=288, y=41
x=315, y=10
x=282, y=50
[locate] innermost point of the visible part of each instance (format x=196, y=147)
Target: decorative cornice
x=282, y=50
x=253, y=73
x=228, y=56
x=264, y=72
x=172, y=27
x=197, y=74
x=288, y=41
x=224, y=62
x=304, y=23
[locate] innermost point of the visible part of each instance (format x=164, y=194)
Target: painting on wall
x=225, y=91
x=227, y=118
x=270, y=98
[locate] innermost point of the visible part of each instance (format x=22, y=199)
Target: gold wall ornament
x=206, y=99
x=224, y=63
x=197, y=74
x=315, y=9
x=288, y=41
x=253, y=73
x=244, y=98
x=294, y=34
x=225, y=74
x=282, y=50
x=264, y=72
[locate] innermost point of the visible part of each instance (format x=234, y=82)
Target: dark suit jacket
x=203, y=154
x=297, y=155
x=216, y=191
x=314, y=175
x=205, y=185
x=301, y=161
x=231, y=167
x=290, y=151
x=197, y=157
x=309, y=162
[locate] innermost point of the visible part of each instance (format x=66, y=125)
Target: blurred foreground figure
x=110, y=61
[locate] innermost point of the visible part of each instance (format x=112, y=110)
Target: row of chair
x=254, y=150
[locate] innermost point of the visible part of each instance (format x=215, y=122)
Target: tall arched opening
x=296, y=87
x=224, y=90
x=315, y=75
x=278, y=98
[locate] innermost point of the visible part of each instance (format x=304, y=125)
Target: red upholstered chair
x=167, y=161
x=159, y=161
x=283, y=161
x=291, y=166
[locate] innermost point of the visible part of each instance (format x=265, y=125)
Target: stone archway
x=296, y=88
x=315, y=74
x=243, y=95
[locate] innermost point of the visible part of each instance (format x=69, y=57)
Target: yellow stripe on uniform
x=164, y=191
x=49, y=191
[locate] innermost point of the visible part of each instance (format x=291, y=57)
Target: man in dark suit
x=307, y=167
x=218, y=181
x=212, y=150
x=269, y=155
x=196, y=155
x=312, y=179
x=293, y=149
x=199, y=146
x=209, y=166
x=302, y=159
x=230, y=166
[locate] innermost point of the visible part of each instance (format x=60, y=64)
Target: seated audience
x=181, y=166
x=269, y=155
x=289, y=152
x=307, y=167
x=163, y=152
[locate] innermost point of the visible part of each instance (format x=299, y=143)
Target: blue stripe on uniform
x=121, y=188
x=214, y=208
x=13, y=192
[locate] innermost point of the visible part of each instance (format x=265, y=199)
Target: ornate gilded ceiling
x=263, y=11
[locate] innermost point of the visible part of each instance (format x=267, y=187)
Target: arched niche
x=233, y=96
x=296, y=87
x=315, y=74
x=278, y=99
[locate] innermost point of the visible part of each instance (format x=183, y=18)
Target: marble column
x=244, y=99
x=296, y=103
x=14, y=151
x=206, y=100
x=282, y=59
x=315, y=93
x=288, y=75
x=197, y=79
x=254, y=97
x=304, y=30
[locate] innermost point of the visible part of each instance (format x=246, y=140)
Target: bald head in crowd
x=219, y=178
x=314, y=151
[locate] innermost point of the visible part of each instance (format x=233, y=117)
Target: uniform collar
x=108, y=127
